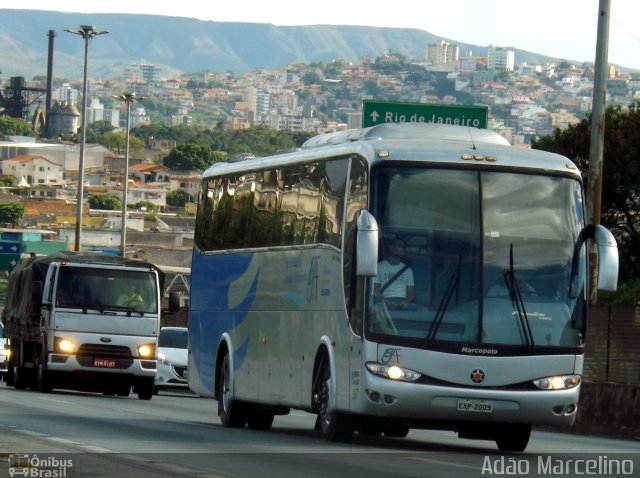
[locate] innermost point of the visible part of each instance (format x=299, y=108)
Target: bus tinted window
x=296, y=204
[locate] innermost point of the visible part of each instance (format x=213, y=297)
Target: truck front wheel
x=144, y=388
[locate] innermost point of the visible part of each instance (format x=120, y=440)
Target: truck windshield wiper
x=105, y=309
x=518, y=303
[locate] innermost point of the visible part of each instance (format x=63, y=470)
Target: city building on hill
x=187, y=181
x=499, y=58
x=150, y=173
x=34, y=170
x=97, y=112
x=442, y=53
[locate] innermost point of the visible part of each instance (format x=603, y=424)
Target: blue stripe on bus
x=209, y=314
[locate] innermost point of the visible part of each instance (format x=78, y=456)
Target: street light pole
x=128, y=98
x=87, y=32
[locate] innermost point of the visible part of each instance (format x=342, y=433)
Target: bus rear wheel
x=335, y=425
x=232, y=412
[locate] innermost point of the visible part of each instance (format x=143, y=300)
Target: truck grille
x=87, y=353
x=105, y=351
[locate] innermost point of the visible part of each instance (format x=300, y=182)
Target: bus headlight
x=392, y=372
x=147, y=351
x=63, y=345
x=558, y=382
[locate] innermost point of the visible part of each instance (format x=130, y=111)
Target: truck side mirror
x=367, y=245
x=36, y=292
x=174, y=302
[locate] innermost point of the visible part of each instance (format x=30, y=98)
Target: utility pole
x=128, y=98
x=87, y=32
x=594, y=174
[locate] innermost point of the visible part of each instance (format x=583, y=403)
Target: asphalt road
x=177, y=435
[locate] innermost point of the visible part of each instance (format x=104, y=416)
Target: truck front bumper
x=107, y=365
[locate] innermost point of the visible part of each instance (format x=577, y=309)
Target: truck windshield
x=102, y=289
x=489, y=258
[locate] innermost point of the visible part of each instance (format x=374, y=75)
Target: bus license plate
x=482, y=406
x=104, y=363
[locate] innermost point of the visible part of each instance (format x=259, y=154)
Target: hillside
x=188, y=45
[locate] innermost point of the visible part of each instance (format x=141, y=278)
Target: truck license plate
x=482, y=406
x=104, y=363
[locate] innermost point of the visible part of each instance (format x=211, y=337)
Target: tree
x=11, y=213
x=177, y=198
x=14, y=126
x=312, y=78
x=106, y=202
x=192, y=157
x=97, y=130
x=620, y=210
x=8, y=181
x=117, y=141
x=259, y=140
x=145, y=206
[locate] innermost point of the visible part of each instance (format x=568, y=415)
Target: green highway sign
x=379, y=112
x=8, y=261
x=9, y=247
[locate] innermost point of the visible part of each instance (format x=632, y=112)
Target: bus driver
x=394, y=283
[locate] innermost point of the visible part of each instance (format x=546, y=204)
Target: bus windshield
x=477, y=257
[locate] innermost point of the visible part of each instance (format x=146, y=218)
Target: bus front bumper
x=389, y=398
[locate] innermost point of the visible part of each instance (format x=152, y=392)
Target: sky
x=561, y=28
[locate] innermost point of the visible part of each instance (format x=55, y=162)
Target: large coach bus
x=287, y=310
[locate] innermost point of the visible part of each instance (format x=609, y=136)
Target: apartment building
x=442, y=53
x=499, y=58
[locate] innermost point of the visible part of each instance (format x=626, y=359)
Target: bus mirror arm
x=367, y=245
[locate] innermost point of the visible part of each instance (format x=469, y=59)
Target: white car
x=172, y=359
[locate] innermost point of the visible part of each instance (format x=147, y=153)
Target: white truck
x=84, y=321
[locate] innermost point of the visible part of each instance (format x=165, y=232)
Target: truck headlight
x=558, y=382
x=147, y=351
x=392, y=372
x=63, y=345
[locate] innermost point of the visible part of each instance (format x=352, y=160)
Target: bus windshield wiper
x=452, y=287
x=518, y=303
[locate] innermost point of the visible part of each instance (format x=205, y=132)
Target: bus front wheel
x=335, y=425
x=513, y=438
x=231, y=411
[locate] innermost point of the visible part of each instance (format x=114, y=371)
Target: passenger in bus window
x=394, y=283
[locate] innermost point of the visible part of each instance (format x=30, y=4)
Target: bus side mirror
x=367, y=245
x=608, y=262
